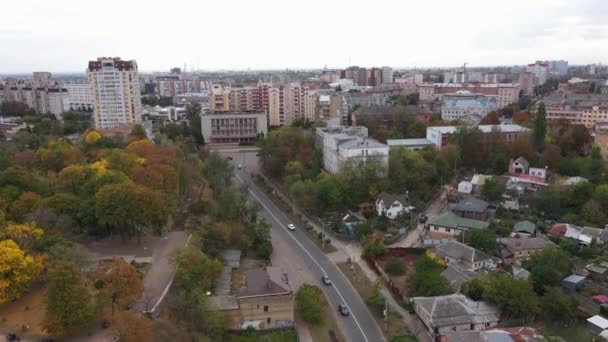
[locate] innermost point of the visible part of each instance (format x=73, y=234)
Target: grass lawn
x=287, y=335
x=396, y=324
x=573, y=332
x=321, y=332
x=28, y=311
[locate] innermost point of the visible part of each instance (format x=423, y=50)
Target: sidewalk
x=353, y=250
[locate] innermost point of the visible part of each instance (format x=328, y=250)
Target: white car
x=291, y=226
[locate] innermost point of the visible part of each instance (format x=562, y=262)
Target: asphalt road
x=360, y=326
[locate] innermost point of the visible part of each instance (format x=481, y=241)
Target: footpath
x=352, y=250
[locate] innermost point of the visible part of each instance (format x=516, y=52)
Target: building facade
x=439, y=135
x=80, y=97
x=344, y=145
x=527, y=82
x=115, y=91
x=540, y=70
x=42, y=94
x=233, y=128
x=505, y=93
x=466, y=106
x=582, y=109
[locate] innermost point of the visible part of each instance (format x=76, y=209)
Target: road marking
x=304, y=249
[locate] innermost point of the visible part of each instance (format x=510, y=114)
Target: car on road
x=240, y=166
x=229, y=158
x=326, y=280
x=291, y=226
x=343, y=309
x=423, y=218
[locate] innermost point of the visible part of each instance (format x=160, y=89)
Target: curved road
x=360, y=326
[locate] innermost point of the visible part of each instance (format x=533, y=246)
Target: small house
x=472, y=208
x=597, y=323
x=391, y=205
x=452, y=224
x=573, y=282
x=600, y=299
x=465, y=187
x=454, y=312
x=454, y=252
x=517, y=250
x=525, y=228
x=519, y=166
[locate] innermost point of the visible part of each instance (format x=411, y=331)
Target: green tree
x=492, y=191
x=556, y=306
x=309, y=303
x=593, y=213
x=515, y=298
x=138, y=132
x=395, y=266
x=548, y=268
x=374, y=247
x=69, y=304
x=427, y=279
x=473, y=289
x=540, y=127
x=484, y=240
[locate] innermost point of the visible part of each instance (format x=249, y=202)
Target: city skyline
x=244, y=35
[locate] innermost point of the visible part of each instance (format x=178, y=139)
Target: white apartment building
x=80, y=97
x=387, y=75
x=505, y=93
x=539, y=69
x=466, y=106
x=345, y=144
x=115, y=91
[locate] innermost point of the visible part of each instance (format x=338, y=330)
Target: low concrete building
x=513, y=334
x=267, y=300
x=342, y=145
x=233, y=128
x=454, y=252
x=517, y=250
x=452, y=224
x=573, y=282
x=472, y=208
x=524, y=228
x=443, y=314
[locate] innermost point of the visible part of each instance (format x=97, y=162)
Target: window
x=268, y=320
x=266, y=308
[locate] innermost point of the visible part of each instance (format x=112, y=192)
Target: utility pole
x=385, y=316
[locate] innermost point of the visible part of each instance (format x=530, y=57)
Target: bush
x=309, y=303
x=376, y=300
x=394, y=266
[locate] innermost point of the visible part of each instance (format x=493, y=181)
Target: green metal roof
x=451, y=220
x=525, y=227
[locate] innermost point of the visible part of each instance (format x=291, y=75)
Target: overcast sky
x=62, y=35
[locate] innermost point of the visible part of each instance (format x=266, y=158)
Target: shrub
x=394, y=266
x=309, y=303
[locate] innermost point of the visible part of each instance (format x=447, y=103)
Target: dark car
x=423, y=218
x=343, y=309
x=326, y=280
x=12, y=337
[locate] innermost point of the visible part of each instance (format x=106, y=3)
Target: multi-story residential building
x=527, y=82
x=387, y=75
x=331, y=107
x=493, y=77
x=466, y=106
x=219, y=101
x=439, y=135
x=600, y=139
x=505, y=93
x=233, y=128
x=540, y=69
x=42, y=94
x=177, y=84
x=115, y=89
x=359, y=75
x=559, y=67
x=80, y=97
x=344, y=145
x=201, y=99
x=583, y=109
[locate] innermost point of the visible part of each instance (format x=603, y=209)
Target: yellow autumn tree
x=25, y=235
x=17, y=270
x=92, y=136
